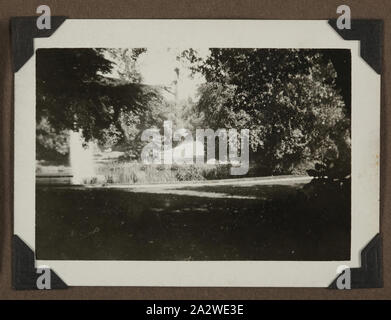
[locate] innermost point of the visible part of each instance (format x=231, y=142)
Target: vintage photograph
x=193, y=154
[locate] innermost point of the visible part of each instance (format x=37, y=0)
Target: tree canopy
x=74, y=92
x=289, y=99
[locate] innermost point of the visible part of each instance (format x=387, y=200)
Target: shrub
x=131, y=173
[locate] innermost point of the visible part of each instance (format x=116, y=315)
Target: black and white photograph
x=193, y=154
x=246, y=154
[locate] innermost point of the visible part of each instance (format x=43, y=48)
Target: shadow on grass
x=284, y=222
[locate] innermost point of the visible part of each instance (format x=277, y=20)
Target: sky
x=157, y=67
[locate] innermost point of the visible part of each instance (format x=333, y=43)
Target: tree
x=126, y=63
x=287, y=98
x=74, y=92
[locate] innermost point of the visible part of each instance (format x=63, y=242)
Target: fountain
x=81, y=158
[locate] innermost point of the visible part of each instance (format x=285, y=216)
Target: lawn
x=263, y=222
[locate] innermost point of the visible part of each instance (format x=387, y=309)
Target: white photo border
x=106, y=33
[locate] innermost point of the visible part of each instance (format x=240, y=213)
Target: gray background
x=208, y=9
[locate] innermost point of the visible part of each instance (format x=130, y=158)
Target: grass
x=121, y=172
x=283, y=222
x=132, y=173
